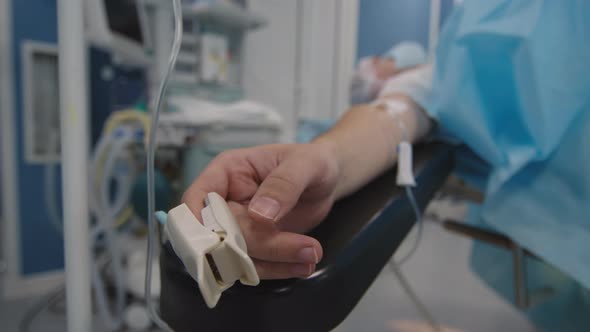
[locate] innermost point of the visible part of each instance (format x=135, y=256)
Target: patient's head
x=373, y=71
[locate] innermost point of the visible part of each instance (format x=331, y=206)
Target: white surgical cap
x=407, y=54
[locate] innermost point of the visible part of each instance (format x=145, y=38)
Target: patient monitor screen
x=123, y=18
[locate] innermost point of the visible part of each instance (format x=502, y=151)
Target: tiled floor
x=438, y=272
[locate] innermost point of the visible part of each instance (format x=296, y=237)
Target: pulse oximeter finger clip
x=214, y=253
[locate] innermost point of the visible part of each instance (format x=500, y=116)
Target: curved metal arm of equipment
x=359, y=237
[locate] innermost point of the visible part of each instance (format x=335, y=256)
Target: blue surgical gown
x=512, y=82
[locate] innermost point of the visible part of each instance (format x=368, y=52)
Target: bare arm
x=364, y=141
x=279, y=191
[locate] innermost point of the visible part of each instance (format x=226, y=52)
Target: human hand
x=275, y=193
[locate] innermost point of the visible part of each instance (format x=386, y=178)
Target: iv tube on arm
x=405, y=178
x=364, y=141
x=151, y=151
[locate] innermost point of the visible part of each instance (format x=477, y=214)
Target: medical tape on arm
x=395, y=108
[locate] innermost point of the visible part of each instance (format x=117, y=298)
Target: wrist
x=330, y=151
x=326, y=147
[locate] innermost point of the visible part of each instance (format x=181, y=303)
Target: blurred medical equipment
x=181, y=124
x=137, y=32
x=53, y=297
x=231, y=117
x=132, y=31
x=113, y=171
x=210, y=63
x=215, y=128
x=111, y=162
x=114, y=159
x=34, y=252
x=121, y=27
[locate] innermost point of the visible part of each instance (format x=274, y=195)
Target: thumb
x=281, y=189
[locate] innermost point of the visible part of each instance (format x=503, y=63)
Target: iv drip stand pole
x=74, y=149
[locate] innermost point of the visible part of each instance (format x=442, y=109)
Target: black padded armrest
x=359, y=236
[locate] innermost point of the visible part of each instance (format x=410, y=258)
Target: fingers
x=305, y=216
x=232, y=174
x=212, y=179
x=284, y=247
x=236, y=176
x=266, y=242
x=280, y=191
x=274, y=270
x=276, y=254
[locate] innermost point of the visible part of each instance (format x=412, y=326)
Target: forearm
x=364, y=141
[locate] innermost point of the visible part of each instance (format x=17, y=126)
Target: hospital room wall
x=40, y=246
x=383, y=23
x=328, y=55
x=299, y=62
x=268, y=58
x=302, y=61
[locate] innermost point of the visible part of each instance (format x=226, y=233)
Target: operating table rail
x=359, y=237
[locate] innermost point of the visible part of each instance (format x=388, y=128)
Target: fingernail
x=308, y=255
x=266, y=207
x=303, y=270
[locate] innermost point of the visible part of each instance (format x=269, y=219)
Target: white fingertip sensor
x=214, y=253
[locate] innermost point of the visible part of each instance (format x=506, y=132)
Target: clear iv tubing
x=405, y=138
x=104, y=207
x=396, y=266
x=124, y=182
x=151, y=152
x=105, y=212
x=112, y=147
x=420, y=223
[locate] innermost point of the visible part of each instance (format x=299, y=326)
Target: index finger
x=213, y=179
